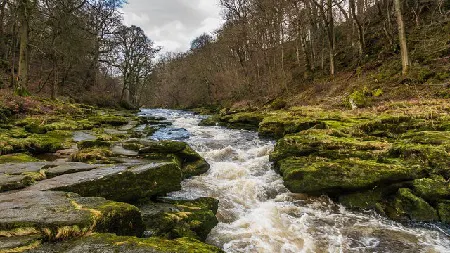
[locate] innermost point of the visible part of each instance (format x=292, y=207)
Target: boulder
x=444, y=211
x=51, y=216
x=327, y=143
x=315, y=175
x=16, y=176
x=119, y=183
x=192, y=164
x=181, y=218
x=432, y=189
x=101, y=243
x=413, y=207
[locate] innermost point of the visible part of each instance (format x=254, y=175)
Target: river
x=258, y=214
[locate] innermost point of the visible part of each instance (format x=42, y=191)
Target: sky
x=173, y=24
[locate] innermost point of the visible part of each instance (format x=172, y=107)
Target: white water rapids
x=258, y=214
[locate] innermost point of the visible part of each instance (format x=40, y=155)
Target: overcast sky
x=173, y=24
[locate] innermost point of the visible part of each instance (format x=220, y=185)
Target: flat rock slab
x=9, y=243
x=58, y=215
x=69, y=168
x=15, y=176
x=119, y=183
x=83, y=136
x=101, y=243
x=20, y=168
x=119, y=150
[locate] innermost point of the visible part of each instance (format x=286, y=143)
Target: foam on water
x=258, y=214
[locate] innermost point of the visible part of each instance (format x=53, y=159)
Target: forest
x=73, y=49
x=312, y=51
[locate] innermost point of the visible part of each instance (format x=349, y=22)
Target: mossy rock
x=195, y=168
x=149, y=130
x=318, y=176
x=93, y=155
x=372, y=199
x=93, y=144
x=394, y=126
x=181, y=218
x=277, y=104
x=210, y=121
x=112, y=120
x=35, y=143
x=162, y=147
x=327, y=143
x=57, y=216
x=242, y=120
x=18, y=181
x=17, y=158
x=415, y=208
x=432, y=189
x=435, y=157
x=122, y=183
x=100, y=243
x=444, y=211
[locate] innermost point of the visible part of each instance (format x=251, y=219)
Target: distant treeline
x=270, y=48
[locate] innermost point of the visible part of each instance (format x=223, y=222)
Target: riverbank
x=78, y=178
x=392, y=158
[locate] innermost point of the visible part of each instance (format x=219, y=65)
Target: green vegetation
x=393, y=158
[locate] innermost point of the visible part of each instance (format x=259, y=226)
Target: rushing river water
x=258, y=214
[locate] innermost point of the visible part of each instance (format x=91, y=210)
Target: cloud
x=173, y=24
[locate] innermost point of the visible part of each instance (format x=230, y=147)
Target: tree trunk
x=54, y=86
x=331, y=35
x=361, y=39
x=402, y=37
x=23, y=51
x=2, y=30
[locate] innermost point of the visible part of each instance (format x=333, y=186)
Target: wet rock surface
x=120, y=182
x=100, y=243
x=180, y=218
x=59, y=215
x=394, y=159
x=101, y=165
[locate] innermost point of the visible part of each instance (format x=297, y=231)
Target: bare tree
x=402, y=37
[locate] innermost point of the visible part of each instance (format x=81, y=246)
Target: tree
x=402, y=37
x=26, y=8
x=134, y=54
x=201, y=41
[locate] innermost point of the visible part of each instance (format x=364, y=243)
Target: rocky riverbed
x=89, y=180
x=394, y=158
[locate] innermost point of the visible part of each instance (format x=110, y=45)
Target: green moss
x=195, y=168
x=210, y=121
x=93, y=155
x=132, y=146
x=242, y=120
x=371, y=199
x=432, y=189
x=182, y=218
x=113, y=243
x=120, y=218
x=89, y=144
x=34, y=143
x=415, y=208
x=17, y=158
x=112, y=120
x=324, y=176
x=327, y=143
x=444, y=211
x=131, y=185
